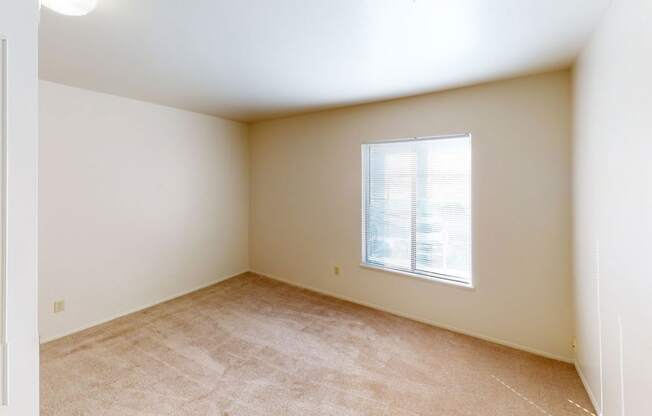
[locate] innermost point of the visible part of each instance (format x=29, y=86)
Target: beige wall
x=613, y=210
x=305, y=207
x=138, y=203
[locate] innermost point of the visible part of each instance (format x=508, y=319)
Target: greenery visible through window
x=417, y=206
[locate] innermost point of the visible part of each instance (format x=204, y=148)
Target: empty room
x=325, y=207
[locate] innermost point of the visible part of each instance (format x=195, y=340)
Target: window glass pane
x=417, y=206
x=443, y=232
x=389, y=204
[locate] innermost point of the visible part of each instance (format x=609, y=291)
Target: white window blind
x=417, y=207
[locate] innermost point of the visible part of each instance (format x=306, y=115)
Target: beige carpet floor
x=253, y=346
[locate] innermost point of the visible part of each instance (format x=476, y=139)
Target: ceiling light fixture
x=70, y=7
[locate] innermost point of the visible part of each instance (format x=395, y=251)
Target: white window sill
x=427, y=278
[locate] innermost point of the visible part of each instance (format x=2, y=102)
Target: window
x=416, y=210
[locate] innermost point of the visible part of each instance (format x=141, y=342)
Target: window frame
x=419, y=274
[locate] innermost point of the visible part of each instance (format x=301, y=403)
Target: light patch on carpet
x=516, y=392
x=581, y=407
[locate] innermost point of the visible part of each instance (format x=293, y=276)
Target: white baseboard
x=422, y=320
x=592, y=397
x=335, y=295
x=140, y=308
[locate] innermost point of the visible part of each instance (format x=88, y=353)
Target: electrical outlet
x=59, y=306
x=574, y=344
x=336, y=270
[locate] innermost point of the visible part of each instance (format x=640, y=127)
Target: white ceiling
x=257, y=59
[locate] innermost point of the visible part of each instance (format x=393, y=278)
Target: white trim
x=622, y=364
x=4, y=140
x=411, y=139
x=599, y=306
x=443, y=279
x=120, y=315
x=422, y=320
x=585, y=382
